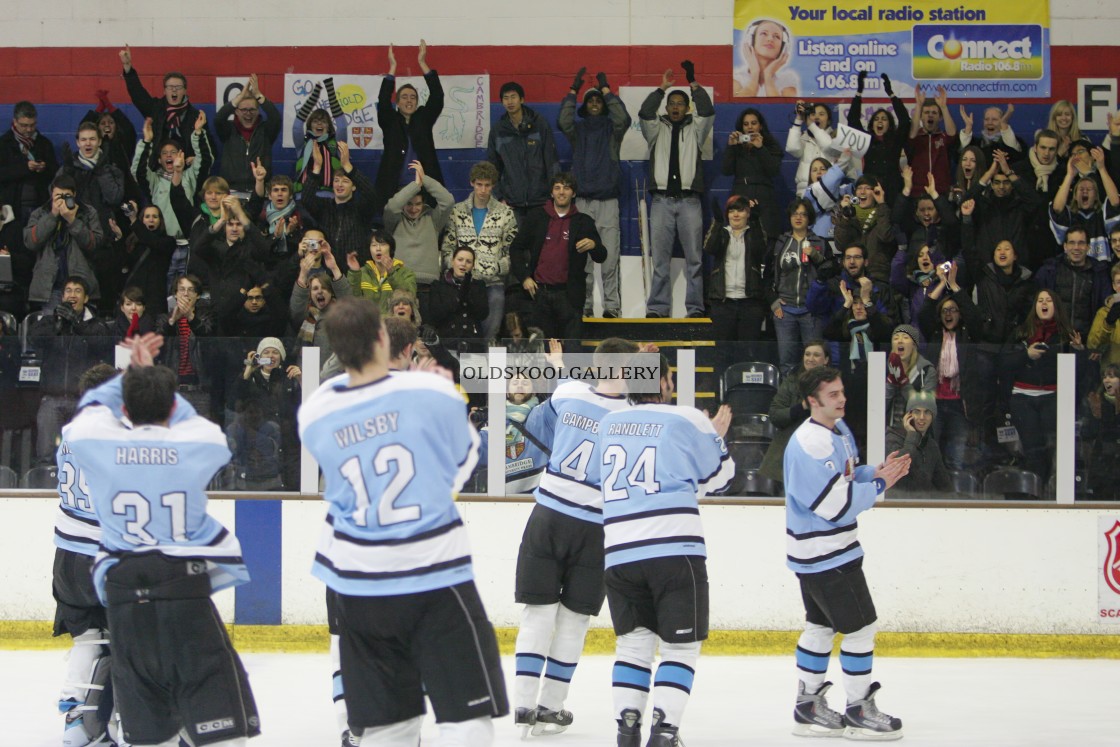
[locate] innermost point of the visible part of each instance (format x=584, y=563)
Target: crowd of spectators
x=972, y=254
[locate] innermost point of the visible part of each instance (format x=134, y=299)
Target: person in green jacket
x=380, y=275
x=787, y=410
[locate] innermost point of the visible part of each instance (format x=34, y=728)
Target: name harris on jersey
x=147, y=455
x=355, y=433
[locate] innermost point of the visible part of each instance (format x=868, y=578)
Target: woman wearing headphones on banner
x=765, y=50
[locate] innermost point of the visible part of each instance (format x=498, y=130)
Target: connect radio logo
x=977, y=51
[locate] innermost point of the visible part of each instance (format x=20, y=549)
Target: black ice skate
x=866, y=722
x=350, y=740
x=630, y=728
x=547, y=721
x=525, y=719
x=812, y=715
x=662, y=735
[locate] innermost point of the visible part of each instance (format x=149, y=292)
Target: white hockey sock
x=478, y=732
x=400, y=734
x=633, y=670
x=538, y=621
x=87, y=649
x=856, y=652
x=814, y=647
x=673, y=682
x=563, y=655
x=341, y=716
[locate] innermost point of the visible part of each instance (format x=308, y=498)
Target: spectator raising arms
x=889, y=135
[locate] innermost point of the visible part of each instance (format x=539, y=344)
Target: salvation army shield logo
x=1112, y=558
x=363, y=136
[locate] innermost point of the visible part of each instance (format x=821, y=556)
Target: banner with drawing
x=988, y=49
x=351, y=102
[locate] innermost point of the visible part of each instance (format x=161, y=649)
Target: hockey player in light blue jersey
x=161, y=557
x=658, y=460
x=560, y=561
x=826, y=488
x=394, y=448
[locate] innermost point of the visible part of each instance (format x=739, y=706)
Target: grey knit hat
x=925, y=400
x=907, y=329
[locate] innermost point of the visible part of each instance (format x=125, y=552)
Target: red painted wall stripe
x=65, y=75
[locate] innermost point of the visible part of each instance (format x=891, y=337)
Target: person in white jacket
x=815, y=141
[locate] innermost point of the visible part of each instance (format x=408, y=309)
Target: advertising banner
x=990, y=49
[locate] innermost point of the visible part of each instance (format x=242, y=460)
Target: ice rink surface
x=736, y=701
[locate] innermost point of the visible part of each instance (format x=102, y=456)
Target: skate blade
x=870, y=735
x=525, y=731
x=816, y=730
x=545, y=729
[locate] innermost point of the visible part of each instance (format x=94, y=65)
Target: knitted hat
x=925, y=400
x=909, y=330
x=592, y=93
x=272, y=342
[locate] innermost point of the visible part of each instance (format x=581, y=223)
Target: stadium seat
x=749, y=387
x=8, y=478
x=965, y=483
x=753, y=426
x=1013, y=483
x=750, y=483
x=43, y=477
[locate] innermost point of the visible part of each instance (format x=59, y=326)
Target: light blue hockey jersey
x=658, y=461
x=393, y=453
x=825, y=491
x=75, y=525
x=147, y=485
x=569, y=421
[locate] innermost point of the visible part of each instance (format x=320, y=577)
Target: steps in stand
x=668, y=333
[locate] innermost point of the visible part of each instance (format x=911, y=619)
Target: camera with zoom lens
x=479, y=417
x=848, y=211
x=804, y=109
x=68, y=200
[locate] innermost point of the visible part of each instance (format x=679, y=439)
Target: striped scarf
x=25, y=142
x=185, y=367
x=174, y=119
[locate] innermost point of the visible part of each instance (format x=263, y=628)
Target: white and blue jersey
x=658, y=460
x=393, y=453
x=825, y=491
x=569, y=420
x=75, y=526
x=147, y=486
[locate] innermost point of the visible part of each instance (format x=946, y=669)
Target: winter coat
x=418, y=240
x=929, y=324
x=756, y=248
x=525, y=155
x=368, y=282
x=791, y=269
x=927, y=468
x=102, y=187
x=68, y=349
x=239, y=156
x=49, y=236
x=693, y=130
x=877, y=237
x=15, y=173
x=456, y=310
x=756, y=170
x=596, y=144
x=149, y=106
x=786, y=413
x=1082, y=290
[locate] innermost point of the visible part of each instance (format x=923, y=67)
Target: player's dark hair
x=637, y=398
x=353, y=327
x=402, y=333
x=65, y=181
x=149, y=394
x=614, y=346
x=89, y=127
x=812, y=379
x=24, y=110
x=95, y=376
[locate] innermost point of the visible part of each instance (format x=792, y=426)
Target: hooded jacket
x=525, y=156
x=596, y=144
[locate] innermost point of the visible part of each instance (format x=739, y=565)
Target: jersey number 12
x=386, y=458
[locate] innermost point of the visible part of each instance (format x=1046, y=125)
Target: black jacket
x=456, y=310
x=238, y=156
x=150, y=106
x=755, y=171
x=69, y=347
x=719, y=238
x=881, y=159
x=15, y=173
x=526, y=158
x=399, y=135
x=526, y=250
